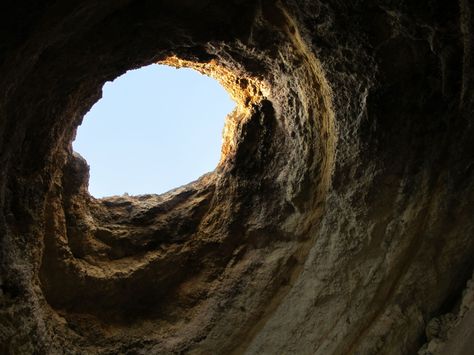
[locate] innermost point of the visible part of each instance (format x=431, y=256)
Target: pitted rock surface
x=338, y=221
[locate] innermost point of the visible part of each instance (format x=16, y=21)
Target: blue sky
x=155, y=128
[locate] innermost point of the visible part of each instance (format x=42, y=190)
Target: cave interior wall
x=339, y=219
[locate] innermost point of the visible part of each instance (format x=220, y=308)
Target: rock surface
x=453, y=334
x=339, y=220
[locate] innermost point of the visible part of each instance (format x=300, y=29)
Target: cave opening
x=155, y=128
x=338, y=219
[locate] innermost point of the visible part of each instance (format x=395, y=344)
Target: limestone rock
x=339, y=220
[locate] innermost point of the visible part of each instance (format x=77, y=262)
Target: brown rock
x=339, y=219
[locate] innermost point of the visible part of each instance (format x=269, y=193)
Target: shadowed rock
x=339, y=219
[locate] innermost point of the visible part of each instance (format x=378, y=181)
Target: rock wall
x=339, y=220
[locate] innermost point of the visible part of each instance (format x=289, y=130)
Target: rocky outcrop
x=338, y=221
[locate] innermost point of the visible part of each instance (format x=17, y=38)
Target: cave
x=338, y=220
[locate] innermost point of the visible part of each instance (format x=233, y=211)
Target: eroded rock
x=338, y=221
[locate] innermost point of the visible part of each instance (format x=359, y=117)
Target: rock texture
x=339, y=220
x=450, y=333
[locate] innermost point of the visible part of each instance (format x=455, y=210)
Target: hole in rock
x=155, y=128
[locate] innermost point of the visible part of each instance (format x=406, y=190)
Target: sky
x=155, y=128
